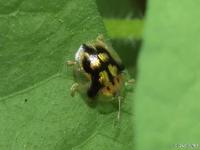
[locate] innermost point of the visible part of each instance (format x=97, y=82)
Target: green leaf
x=121, y=28
x=167, y=95
x=36, y=109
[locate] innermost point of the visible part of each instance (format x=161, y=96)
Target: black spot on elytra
x=111, y=60
x=95, y=86
x=86, y=65
x=88, y=49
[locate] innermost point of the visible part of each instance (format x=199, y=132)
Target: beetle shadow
x=128, y=51
x=102, y=104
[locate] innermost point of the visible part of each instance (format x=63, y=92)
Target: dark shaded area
x=122, y=8
x=140, y=5
x=128, y=51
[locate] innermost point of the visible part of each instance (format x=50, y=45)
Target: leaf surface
x=36, y=109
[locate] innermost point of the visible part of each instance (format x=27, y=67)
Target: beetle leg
x=119, y=98
x=119, y=107
x=74, y=88
x=100, y=37
x=71, y=62
x=129, y=82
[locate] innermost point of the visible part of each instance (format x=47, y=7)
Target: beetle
x=103, y=69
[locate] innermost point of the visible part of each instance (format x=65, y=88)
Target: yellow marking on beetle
x=109, y=89
x=103, y=57
x=112, y=69
x=103, y=77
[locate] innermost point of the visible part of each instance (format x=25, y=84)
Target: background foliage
x=166, y=106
